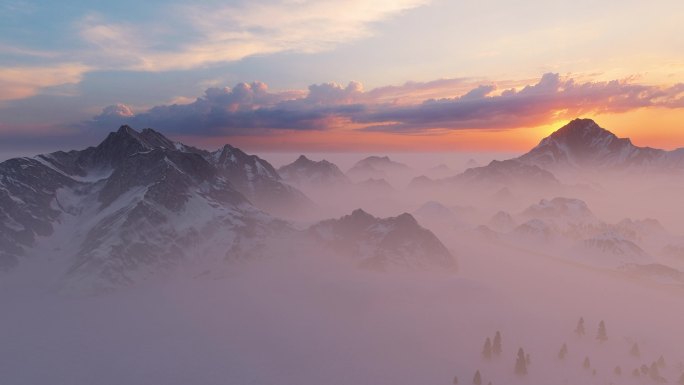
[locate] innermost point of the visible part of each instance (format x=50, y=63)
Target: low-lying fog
x=532, y=259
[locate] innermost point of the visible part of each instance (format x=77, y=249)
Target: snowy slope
x=126, y=209
x=259, y=181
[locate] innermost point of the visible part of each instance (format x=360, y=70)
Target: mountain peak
x=581, y=131
x=227, y=150
x=406, y=219
x=147, y=138
x=583, y=143
x=360, y=213
x=310, y=172
x=121, y=144
x=126, y=129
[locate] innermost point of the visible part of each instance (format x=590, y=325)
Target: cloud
x=551, y=99
x=23, y=82
x=246, y=108
x=251, y=109
x=195, y=36
x=218, y=34
x=116, y=111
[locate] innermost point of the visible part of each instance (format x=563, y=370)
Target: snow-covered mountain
x=610, y=249
x=307, y=172
x=641, y=229
x=535, y=230
x=29, y=204
x=583, y=144
x=139, y=205
x=124, y=210
x=259, y=181
x=382, y=243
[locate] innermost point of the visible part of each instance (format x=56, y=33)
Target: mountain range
x=138, y=205
x=305, y=171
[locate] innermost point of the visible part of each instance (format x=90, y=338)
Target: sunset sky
x=334, y=75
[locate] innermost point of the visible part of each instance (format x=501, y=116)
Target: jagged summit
x=360, y=214
x=147, y=138
x=583, y=143
x=233, y=159
x=581, y=128
x=119, y=145
x=305, y=171
x=259, y=181
x=136, y=200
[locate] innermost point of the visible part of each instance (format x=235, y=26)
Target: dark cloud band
x=251, y=109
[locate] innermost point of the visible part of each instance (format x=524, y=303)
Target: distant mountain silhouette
x=381, y=243
x=376, y=167
x=583, y=144
x=305, y=171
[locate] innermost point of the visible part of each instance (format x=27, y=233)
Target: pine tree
x=617, y=371
x=587, y=363
x=487, y=350
x=661, y=362
x=635, y=351
x=496, y=346
x=654, y=373
x=602, y=335
x=580, y=327
x=563, y=351
x=477, y=380
x=520, y=363
x=681, y=380
x=455, y=382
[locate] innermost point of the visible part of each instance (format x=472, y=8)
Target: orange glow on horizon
x=653, y=127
